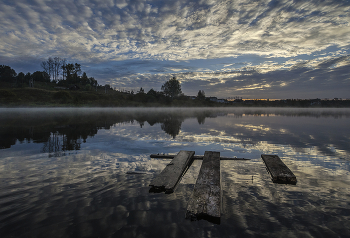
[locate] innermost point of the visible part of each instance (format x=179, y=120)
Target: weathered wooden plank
x=205, y=200
x=170, y=176
x=279, y=172
x=196, y=157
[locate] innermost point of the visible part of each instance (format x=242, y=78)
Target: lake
x=75, y=172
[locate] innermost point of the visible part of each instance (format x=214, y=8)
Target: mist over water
x=67, y=172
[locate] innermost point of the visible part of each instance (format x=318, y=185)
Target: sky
x=251, y=49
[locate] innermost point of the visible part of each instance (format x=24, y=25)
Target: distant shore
x=46, y=96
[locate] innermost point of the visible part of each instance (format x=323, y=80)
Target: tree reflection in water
x=172, y=126
x=62, y=130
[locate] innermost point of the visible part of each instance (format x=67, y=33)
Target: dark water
x=70, y=172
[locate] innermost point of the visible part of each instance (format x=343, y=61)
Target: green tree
x=72, y=72
x=141, y=90
x=41, y=76
x=93, y=82
x=7, y=74
x=20, y=79
x=84, y=79
x=172, y=88
x=67, y=70
x=27, y=78
x=201, y=95
x=77, y=70
x=151, y=92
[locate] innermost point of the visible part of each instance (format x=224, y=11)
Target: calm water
x=66, y=172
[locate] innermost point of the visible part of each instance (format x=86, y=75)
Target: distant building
x=221, y=100
x=215, y=99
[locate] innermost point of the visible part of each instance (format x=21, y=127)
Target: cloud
x=334, y=61
x=177, y=30
x=252, y=40
x=299, y=80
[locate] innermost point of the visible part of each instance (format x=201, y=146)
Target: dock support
x=279, y=172
x=170, y=176
x=205, y=200
x=196, y=157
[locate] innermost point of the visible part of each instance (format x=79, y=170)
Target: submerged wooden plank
x=199, y=157
x=205, y=200
x=279, y=172
x=170, y=176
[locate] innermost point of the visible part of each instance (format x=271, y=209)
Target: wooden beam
x=279, y=172
x=170, y=176
x=197, y=157
x=206, y=197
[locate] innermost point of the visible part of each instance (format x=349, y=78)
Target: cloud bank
x=227, y=48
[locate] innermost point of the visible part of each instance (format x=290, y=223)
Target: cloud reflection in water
x=87, y=191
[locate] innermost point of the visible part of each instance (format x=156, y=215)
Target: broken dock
x=205, y=201
x=279, y=172
x=168, y=179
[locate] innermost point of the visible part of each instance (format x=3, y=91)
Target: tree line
x=58, y=72
x=71, y=73
x=10, y=77
x=55, y=70
x=170, y=90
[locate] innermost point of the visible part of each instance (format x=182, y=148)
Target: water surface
x=85, y=172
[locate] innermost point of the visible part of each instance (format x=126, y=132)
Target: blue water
x=69, y=172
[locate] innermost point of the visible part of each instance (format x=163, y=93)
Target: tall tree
x=68, y=70
x=201, y=95
x=41, y=76
x=64, y=71
x=172, y=88
x=45, y=66
x=7, y=74
x=141, y=90
x=20, y=78
x=152, y=92
x=58, y=62
x=77, y=72
x=27, y=78
x=48, y=66
x=53, y=67
x=93, y=82
x=84, y=79
x=72, y=72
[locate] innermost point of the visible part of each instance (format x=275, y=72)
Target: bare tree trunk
x=50, y=62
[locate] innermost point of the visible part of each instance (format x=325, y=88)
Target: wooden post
x=279, y=172
x=172, y=173
x=205, y=200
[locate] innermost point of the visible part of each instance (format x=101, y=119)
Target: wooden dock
x=279, y=172
x=196, y=157
x=170, y=176
x=205, y=200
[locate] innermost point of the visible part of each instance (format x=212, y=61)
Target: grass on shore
x=48, y=97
